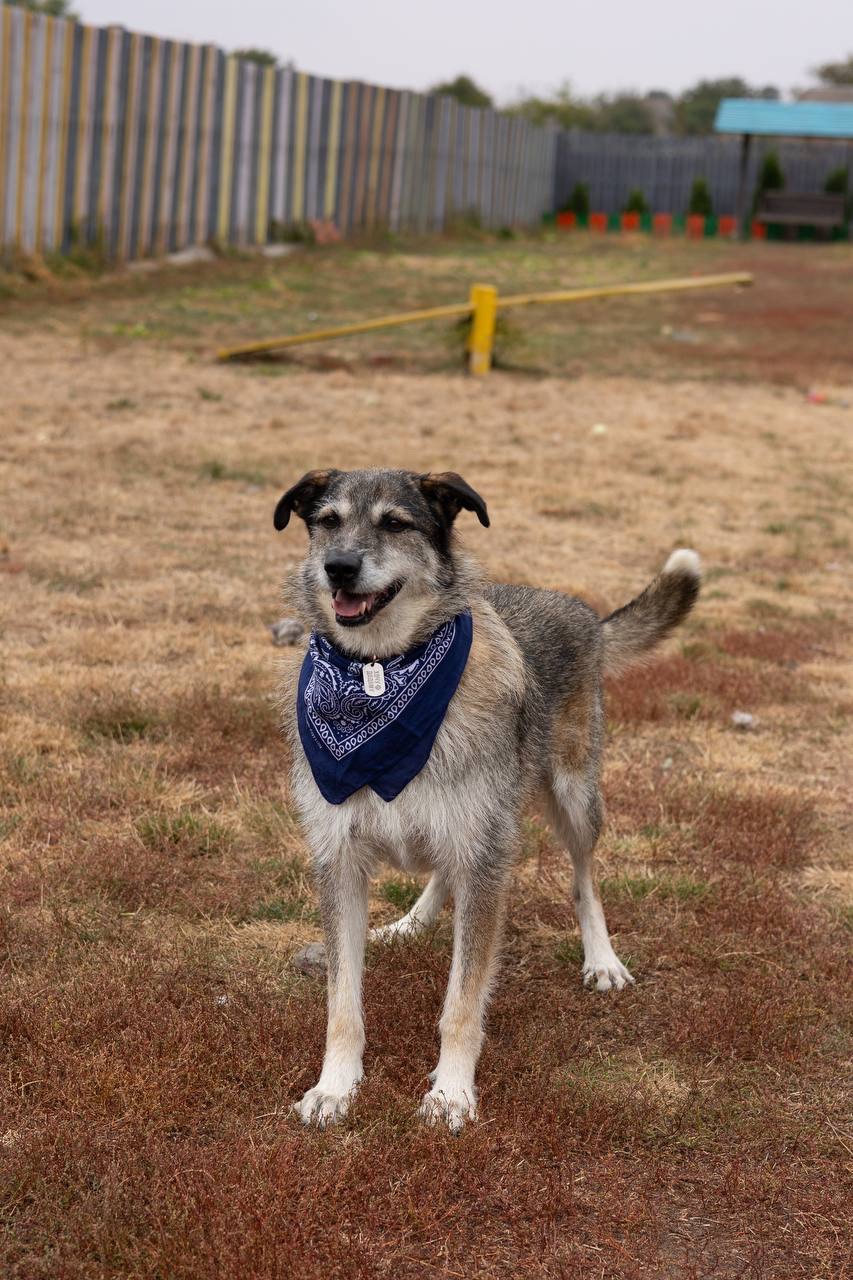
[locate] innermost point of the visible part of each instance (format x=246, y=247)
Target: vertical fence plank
x=153, y=144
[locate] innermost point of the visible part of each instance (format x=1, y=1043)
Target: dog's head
x=381, y=551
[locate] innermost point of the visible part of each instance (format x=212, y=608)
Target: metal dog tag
x=374, y=679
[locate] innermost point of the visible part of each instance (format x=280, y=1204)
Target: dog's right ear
x=302, y=497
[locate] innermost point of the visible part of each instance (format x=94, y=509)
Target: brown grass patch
x=785, y=648
x=153, y=879
x=673, y=687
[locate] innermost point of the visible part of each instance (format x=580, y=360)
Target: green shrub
x=770, y=177
x=836, y=182
x=290, y=233
x=700, y=199
x=579, y=201
x=636, y=202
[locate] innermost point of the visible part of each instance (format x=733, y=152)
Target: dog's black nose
x=343, y=567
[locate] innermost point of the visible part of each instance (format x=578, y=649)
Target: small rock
x=667, y=764
x=278, y=250
x=744, y=720
x=287, y=631
x=311, y=960
x=599, y=429
x=192, y=254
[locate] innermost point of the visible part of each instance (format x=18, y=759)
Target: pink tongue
x=347, y=606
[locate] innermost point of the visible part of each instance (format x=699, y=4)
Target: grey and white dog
x=525, y=724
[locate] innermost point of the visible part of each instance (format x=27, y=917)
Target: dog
x=383, y=574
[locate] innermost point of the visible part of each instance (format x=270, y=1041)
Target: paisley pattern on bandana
x=353, y=740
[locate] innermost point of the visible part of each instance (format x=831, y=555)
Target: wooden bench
x=800, y=209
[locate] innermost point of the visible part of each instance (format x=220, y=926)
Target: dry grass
x=153, y=877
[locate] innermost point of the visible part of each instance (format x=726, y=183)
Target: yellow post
x=484, y=306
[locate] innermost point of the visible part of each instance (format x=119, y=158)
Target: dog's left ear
x=451, y=493
x=302, y=497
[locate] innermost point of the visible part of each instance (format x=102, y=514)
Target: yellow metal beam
x=623, y=290
x=344, y=330
x=458, y=309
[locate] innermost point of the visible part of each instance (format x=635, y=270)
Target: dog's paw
x=605, y=971
x=405, y=927
x=319, y=1108
x=449, y=1106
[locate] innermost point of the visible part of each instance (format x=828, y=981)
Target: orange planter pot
x=598, y=222
x=758, y=231
x=662, y=224
x=695, y=225
x=630, y=222
x=727, y=226
x=567, y=220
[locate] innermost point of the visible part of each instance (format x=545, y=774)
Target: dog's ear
x=302, y=497
x=449, y=493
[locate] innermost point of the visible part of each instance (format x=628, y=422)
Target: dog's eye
x=394, y=525
x=330, y=520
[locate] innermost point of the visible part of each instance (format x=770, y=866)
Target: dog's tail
x=632, y=631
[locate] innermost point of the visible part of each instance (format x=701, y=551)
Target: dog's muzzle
x=354, y=609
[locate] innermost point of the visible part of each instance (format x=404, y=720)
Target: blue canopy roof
x=786, y=119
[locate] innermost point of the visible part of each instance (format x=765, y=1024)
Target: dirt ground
x=152, y=876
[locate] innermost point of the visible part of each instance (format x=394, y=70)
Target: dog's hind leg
x=479, y=898
x=343, y=888
x=424, y=912
x=575, y=813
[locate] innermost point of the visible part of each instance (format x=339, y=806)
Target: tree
x=464, y=90
x=262, y=57
x=51, y=8
x=696, y=109
x=564, y=109
x=623, y=113
x=837, y=73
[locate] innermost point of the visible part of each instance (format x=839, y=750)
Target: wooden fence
x=664, y=169
x=150, y=145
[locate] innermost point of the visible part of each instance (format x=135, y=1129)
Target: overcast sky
x=530, y=45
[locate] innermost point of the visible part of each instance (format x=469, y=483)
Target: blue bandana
x=353, y=740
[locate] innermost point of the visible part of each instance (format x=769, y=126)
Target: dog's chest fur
x=433, y=821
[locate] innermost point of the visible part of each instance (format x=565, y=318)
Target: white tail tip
x=684, y=561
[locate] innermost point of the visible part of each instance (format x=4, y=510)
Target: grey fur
x=526, y=722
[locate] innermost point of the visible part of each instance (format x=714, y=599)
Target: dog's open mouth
x=353, y=610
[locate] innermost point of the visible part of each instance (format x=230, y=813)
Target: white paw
x=388, y=932
x=606, y=971
x=320, y=1108
x=402, y=928
x=452, y=1106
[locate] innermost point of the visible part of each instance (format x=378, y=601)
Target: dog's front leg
x=478, y=917
x=343, y=889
